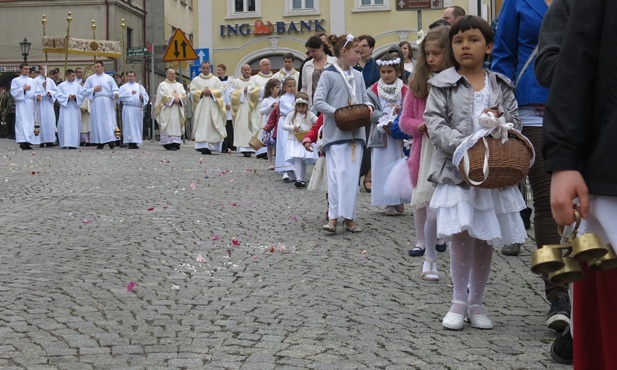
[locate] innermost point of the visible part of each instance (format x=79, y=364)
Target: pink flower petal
x=215, y=237
x=235, y=242
x=86, y=222
x=130, y=286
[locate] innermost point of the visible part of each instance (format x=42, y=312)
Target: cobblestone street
x=231, y=270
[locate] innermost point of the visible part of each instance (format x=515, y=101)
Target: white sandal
x=430, y=274
x=454, y=321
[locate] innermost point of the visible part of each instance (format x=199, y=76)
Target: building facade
x=238, y=32
x=23, y=19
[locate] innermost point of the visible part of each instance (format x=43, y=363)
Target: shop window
x=371, y=5
x=243, y=8
x=301, y=7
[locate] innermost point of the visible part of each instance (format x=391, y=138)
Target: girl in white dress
x=474, y=219
x=301, y=120
x=269, y=102
x=286, y=106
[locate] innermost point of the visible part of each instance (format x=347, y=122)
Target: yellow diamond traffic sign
x=179, y=48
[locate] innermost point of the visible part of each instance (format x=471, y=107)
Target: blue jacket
x=397, y=133
x=370, y=72
x=517, y=36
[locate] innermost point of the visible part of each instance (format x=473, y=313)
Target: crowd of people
x=422, y=112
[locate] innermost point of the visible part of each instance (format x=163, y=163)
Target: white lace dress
x=487, y=214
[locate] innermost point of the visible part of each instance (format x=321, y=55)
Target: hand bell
x=118, y=132
x=570, y=273
x=606, y=262
x=547, y=259
x=587, y=247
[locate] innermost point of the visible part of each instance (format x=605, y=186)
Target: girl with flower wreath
x=340, y=85
x=387, y=96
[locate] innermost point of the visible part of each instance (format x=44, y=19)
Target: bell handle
x=561, y=229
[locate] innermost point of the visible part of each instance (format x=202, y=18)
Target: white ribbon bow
x=498, y=126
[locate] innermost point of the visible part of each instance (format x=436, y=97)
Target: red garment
x=273, y=120
x=595, y=320
x=311, y=137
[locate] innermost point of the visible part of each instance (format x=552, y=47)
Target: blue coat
x=517, y=36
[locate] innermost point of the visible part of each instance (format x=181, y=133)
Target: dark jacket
x=370, y=72
x=580, y=121
x=549, y=41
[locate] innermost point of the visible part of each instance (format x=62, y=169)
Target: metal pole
x=94, y=36
x=44, y=21
x=66, y=46
x=152, y=92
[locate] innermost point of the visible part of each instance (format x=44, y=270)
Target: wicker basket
x=254, y=142
x=300, y=135
x=352, y=117
x=508, y=162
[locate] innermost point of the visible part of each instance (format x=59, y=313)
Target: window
x=371, y=5
x=129, y=37
x=301, y=7
x=243, y=9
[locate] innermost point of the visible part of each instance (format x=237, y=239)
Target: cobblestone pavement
x=272, y=291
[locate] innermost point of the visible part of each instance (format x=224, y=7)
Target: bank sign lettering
x=266, y=28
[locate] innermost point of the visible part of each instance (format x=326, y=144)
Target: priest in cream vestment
x=209, y=115
x=241, y=108
x=256, y=88
x=169, y=111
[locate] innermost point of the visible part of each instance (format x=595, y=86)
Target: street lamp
x=25, y=49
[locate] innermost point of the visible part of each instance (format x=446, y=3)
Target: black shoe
x=25, y=146
x=561, y=349
x=558, y=317
x=133, y=146
x=526, y=216
x=100, y=146
x=42, y=146
x=300, y=184
x=122, y=145
x=176, y=145
x=205, y=151
x=49, y=145
x=246, y=154
x=262, y=156
x=511, y=249
x=167, y=146
x=111, y=144
x=441, y=247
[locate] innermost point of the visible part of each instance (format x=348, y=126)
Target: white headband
x=301, y=101
x=392, y=62
x=350, y=38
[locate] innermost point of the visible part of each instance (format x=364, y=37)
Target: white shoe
x=285, y=177
x=454, y=321
x=480, y=321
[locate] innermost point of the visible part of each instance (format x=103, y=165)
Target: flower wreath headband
x=348, y=39
x=392, y=62
x=301, y=101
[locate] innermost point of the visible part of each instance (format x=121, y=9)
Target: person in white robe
x=208, y=111
x=102, y=91
x=46, y=101
x=241, y=110
x=69, y=95
x=169, y=111
x=134, y=98
x=288, y=69
x=221, y=73
x=256, y=89
x=24, y=90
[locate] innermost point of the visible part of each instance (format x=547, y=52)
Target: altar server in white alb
x=169, y=111
x=256, y=91
x=46, y=100
x=288, y=69
x=134, y=98
x=102, y=91
x=24, y=90
x=209, y=115
x=70, y=97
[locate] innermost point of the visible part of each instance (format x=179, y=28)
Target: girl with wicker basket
x=387, y=96
x=286, y=106
x=473, y=218
x=298, y=125
x=269, y=102
x=433, y=59
x=341, y=86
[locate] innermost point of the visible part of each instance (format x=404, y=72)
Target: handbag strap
x=527, y=63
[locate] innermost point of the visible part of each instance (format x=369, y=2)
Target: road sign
x=195, y=71
x=202, y=55
x=418, y=4
x=139, y=52
x=179, y=48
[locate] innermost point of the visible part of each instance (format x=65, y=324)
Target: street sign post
x=202, y=55
x=137, y=55
x=179, y=48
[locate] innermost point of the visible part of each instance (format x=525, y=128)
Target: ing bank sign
x=267, y=28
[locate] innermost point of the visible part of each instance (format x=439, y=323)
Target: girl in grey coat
x=472, y=218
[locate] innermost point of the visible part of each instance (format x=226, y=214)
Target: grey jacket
x=550, y=39
x=332, y=93
x=448, y=117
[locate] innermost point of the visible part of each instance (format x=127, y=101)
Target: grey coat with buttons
x=448, y=117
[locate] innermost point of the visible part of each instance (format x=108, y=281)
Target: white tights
x=470, y=265
x=299, y=168
x=425, y=220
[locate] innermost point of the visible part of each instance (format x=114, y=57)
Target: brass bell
x=587, y=247
x=606, y=262
x=546, y=259
x=118, y=132
x=37, y=129
x=570, y=273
